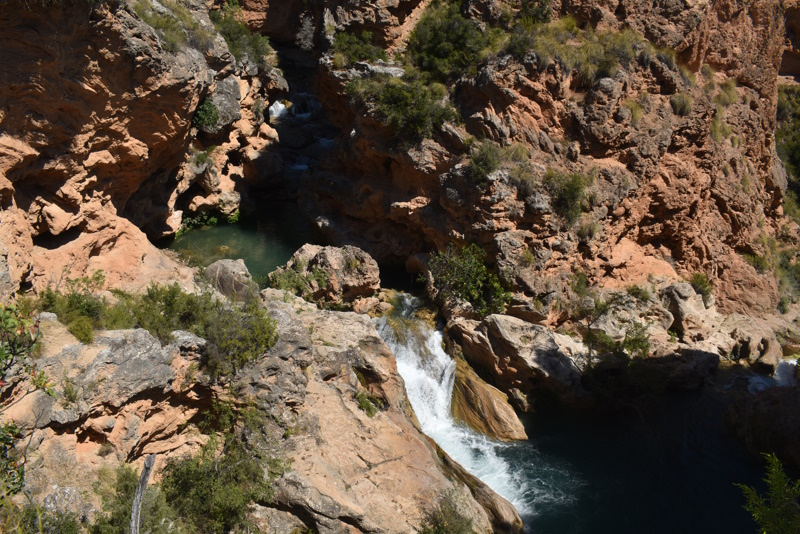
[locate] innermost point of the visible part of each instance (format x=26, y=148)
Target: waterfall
x=429, y=374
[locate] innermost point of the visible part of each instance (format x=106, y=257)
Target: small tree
x=462, y=274
x=779, y=512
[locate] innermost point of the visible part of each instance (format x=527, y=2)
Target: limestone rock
x=231, y=278
x=330, y=275
x=483, y=407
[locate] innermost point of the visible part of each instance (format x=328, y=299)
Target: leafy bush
x=727, y=94
x=236, y=334
x=412, y=109
x=81, y=328
x=702, y=285
x=637, y=341
x=445, y=518
x=212, y=490
x=638, y=292
x=681, y=104
x=242, y=43
x=636, y=110
x=718, y=128
x=462, y=274
x=206, y=115
x=760, y=263
x=485, y=158
x=34, y=519
x=117, y=490
x=778, y=512
x=349, y=48
x=369, y=404
x=566, y=194
x=445, y=44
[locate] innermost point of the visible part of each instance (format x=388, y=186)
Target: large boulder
x=520, y=357
x=483, y=407
x=344, y=277
x=231, y=278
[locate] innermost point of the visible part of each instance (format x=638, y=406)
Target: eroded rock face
x=345, y=276
x=520, y=357
x=349, y=472
x=483, y=407
x=669, y=197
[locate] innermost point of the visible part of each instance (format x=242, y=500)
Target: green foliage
x=34, y=519
x=206, y=115
x=719, y=129
x=681, y=104
x=534, y=12
x=485, y=158
x=587, y=230
x=411, y=108
x=212, y=490
x=702, y=285
x=592, y=54
x=70, y=391
x=640, y=293
x=369, y=404
x=760, y=263
x=349, y=48
x=297, y=280
x=637, y=341
x=778, y=512
x=566, y=193
x=81, y=328
x=237, y=334
x=727, y=94
x=176, y=27
x=242, y=43
x=445, y=518
x=579, y=283
x=787, y=137
x=201, y=158
x=462, y=274
x=668, y=57
x=12, y=470
x=446, y=45
x=636, y=110
x=116, y=490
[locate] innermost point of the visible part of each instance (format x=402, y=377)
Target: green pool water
x=264, y=240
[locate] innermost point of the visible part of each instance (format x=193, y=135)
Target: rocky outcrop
x=231, y=278
x=332, y=276
x=520, y=357
x=98, y=150
x=483, y=407
x=127, y=395
x=669, y=196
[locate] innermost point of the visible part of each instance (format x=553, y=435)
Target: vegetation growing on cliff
x=460, y=273
x=176, y=25
x=242, y=43
x=237, y=333
x=349, y=48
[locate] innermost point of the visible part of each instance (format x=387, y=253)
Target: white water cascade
x=429, y=374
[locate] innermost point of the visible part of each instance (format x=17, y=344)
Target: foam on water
x=429, y=374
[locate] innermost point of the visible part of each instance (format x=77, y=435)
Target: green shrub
x=350, y=49
x=681, y=104
x=116, y=490
x=445, y=518
x=81, y=328
x=35, y=519
x=580, y=283
x=668, y=57
x=637, y=341
x=689, y=77
x=760, y=263
x=412, y=109
x=369, y=404
x=446, y=45
x=201, y=158
x=702, y=285
x=206, y=115
x=485, y=158
x=636, y=110
x=70, y=391
x=638, y=292
x=587, y=230
x=566, y=194
x=462, y=274
x=728, y=94
x=242, y=43
x=718, y=128
x=213, y=489
x=778, y=512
